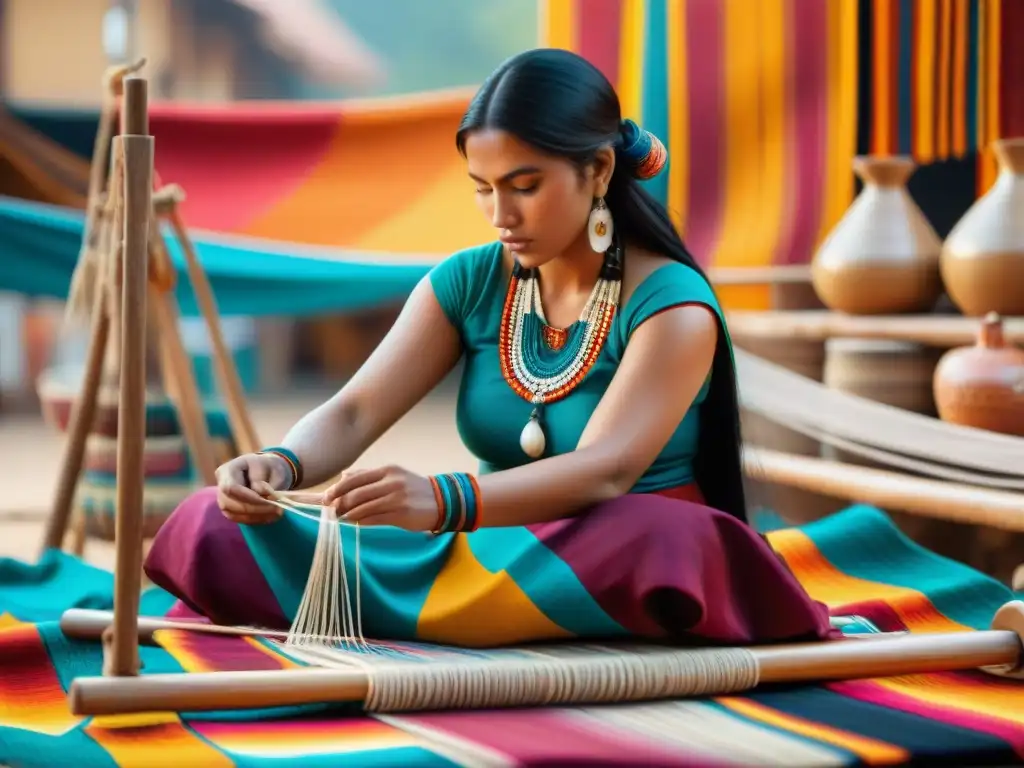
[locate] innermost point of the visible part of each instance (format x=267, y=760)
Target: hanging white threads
x=325, y=616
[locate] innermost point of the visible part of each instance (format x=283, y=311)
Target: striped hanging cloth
x=763, y=106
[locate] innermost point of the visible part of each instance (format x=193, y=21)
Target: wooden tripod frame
x=105, y=211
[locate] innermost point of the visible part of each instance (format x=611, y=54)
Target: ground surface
x=30, y=454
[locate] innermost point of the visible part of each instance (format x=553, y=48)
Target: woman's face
x=539, y=204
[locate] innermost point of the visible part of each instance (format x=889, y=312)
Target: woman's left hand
x=385, y=496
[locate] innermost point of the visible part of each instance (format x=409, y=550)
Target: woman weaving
x=598, y=392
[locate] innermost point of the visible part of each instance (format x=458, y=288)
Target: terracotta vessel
x=982, y=260
x=882, y=257
x=983, y=386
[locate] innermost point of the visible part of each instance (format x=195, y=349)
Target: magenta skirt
x=653, y=566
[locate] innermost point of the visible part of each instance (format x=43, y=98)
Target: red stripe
x=234, y=169
x=873, y=692
x=1011, y=70
x=807, y=115
x=600, y=35
x=705, y=40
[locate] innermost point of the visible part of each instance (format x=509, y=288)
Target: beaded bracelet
x=459, y=508
x=290, y=458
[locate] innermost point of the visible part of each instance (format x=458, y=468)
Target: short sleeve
x=457, y=282
x=673, y=285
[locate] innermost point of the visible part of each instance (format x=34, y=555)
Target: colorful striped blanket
x=855, y=561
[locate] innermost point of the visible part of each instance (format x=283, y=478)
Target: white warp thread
x=326, y=616
x=543, y=675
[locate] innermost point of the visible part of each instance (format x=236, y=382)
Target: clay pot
x=983, y=386
x=882, y=257
x=982, y=260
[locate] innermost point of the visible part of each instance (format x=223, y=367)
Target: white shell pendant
x=600, y=228
x=532, y=439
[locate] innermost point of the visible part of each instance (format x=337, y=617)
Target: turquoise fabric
x=471, y=286
x=39, y=247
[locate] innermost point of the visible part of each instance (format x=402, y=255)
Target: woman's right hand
x=245, y=482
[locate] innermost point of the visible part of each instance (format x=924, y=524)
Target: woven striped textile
x=855, y=561
x=763, y=105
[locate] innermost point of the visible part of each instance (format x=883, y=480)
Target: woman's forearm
x=327, y=440
x=553, y=488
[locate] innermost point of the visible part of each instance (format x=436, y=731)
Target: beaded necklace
x=530, y=370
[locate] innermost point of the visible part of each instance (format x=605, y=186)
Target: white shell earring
x=600, y=227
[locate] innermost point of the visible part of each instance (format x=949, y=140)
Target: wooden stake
x=83, y=413
x=242, y=427
x=137, y=149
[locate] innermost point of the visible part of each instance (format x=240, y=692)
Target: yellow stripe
x=990, y=106
x=842, y=112
x=942, y=128
x=1005, y=702
x=774, y=145
x=871, y=751
x=631, y=58
x=831, y=586
x=558, y=24
x=958, y=110
x=743, y=167
x=678, y=115
x=924, y=106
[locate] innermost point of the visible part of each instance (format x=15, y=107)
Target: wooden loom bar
x=834, y=660
x=942, y=331
x=890, y=490
x=136, y=187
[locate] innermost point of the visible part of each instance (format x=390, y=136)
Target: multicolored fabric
x=855, y=561
x=762, y=107
x=692, y=572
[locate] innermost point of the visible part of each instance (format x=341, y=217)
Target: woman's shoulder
x=458, y=280
x=653, y=283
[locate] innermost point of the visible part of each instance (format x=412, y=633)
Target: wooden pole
x=137, y=185
x=242, y=427
x=83, y=413
x=938, y=499
x=778, y=663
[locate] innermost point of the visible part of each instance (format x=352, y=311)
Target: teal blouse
x=471, y=286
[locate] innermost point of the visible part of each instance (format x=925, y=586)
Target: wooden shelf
x=817, y=325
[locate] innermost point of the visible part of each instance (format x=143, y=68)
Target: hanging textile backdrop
x=763, y=106
x=251, y=278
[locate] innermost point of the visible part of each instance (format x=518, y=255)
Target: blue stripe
x=655, y=88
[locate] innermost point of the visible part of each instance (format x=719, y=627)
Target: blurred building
x=57, y=50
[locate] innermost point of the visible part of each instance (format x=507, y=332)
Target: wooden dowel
x=909, y=654
x=180, y=383
x=783, y=274
x=890, y=490
x=137, y=150
x=83, y=414
x=941, y=331
x=90, y=624
x=833, y=660
x=242, y=426
x=212, y=691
